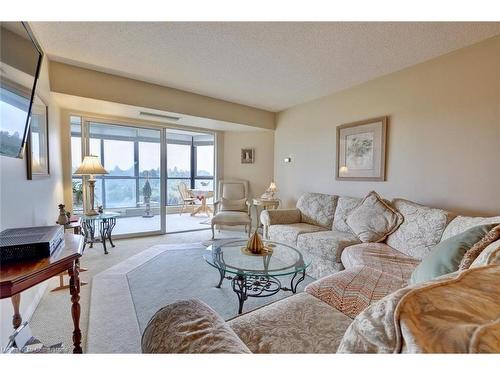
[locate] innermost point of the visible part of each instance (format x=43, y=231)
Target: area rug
x=126, y=296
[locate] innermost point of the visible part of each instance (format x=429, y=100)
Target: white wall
x=259, y=174
x=28, y=203
x=443, y=134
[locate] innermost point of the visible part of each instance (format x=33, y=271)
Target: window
x=132, y=156
x=178, y=160
x=190, y=159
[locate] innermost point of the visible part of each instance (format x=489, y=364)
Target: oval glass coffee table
x=257, y=275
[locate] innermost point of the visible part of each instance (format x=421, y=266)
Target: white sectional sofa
x=358, y=302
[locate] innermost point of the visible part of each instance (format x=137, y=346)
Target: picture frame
x=361, y=150
x=37, y=145
x=247, y=156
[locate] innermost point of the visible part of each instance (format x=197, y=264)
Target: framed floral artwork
x=361, y=150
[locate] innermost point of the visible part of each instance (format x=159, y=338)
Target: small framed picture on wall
x=361, y=148
x=247, y=156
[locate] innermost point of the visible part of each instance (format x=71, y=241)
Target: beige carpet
x=52, y=323
x=136, y=288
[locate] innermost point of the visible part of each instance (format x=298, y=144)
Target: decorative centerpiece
x=63, y=218
x=255, y=246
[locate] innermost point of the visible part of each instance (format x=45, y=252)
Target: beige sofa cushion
x=297, y=324
x=324, y=249
x=421, y=229
x=190, y=326
x=373, y=219
x=461, y=223
x=344, y=206
x=289, y=233
x=317, y=209
x=381, y=257
x=351, y=291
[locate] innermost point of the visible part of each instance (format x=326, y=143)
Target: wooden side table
x=17, y=277
x=264, y=204
x=76, y=226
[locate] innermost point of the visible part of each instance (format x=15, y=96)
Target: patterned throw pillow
x=490, y=255
x=478, y=247
x=373, y=219
x=446, y=256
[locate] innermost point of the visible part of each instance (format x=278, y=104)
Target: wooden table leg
x=74, y=289
x=16, y=318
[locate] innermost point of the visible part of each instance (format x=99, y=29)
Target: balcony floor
x=175, y=223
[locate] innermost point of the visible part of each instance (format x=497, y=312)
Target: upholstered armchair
x=232, y=206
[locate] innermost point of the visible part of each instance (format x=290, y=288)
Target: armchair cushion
x=233, y=204
x=190, y=327
x=280, y=216
x=231, y=218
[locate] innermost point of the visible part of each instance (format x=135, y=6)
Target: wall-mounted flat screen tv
x=20, y=61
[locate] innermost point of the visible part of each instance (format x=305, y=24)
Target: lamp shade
x=272, y=187
x=90, y=166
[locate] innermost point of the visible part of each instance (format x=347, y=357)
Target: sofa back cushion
x=373, y=219
x=317, y=209
x=462, y=223
x=344, y=207
x=421, y=229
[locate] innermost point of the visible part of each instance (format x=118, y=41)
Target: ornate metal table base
x=259, y=285
x=105, y=229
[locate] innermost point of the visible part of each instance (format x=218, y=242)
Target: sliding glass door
x=133, y=185
x=190, y=180
x=152, y=174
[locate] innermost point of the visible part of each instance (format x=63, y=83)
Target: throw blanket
x=459, y=313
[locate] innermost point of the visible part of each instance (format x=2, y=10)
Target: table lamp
x=271, y=190
x=91, y=167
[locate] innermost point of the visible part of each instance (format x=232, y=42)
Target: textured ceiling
x=266, y=65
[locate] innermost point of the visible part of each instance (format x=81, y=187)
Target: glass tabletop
x=231, y=257
x=103, y=216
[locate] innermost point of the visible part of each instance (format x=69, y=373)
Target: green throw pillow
x=445, y=257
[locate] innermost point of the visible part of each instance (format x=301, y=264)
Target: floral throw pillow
x=373, y=219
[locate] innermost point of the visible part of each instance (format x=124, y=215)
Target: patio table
x=203, y=195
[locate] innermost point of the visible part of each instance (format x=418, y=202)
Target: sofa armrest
x=280, y=216
x=190, y=326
